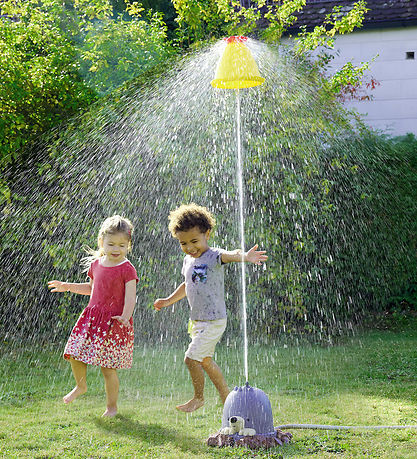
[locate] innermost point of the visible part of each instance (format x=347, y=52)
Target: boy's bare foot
x=191, y=405
x=109, y=413
x=76, y=392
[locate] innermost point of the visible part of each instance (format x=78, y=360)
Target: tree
x=57, y=57
x=39, y=82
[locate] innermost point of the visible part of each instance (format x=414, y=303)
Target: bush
x=57, y=59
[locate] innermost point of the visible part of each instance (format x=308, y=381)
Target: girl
x=103, y=334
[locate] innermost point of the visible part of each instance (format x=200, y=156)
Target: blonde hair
x=111, y=225
x=188, y=216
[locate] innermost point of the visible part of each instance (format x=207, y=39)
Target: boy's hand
x=123, y=320
x=57, y=286
x=256, y=256
x=160, y=303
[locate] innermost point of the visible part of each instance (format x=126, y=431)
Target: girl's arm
x=177, y=295
x=130, y=301
x=83, y=288
x=252, y=256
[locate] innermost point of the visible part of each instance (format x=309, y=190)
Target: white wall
x=393, y=107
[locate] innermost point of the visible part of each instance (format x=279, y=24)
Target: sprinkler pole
x=242, y=232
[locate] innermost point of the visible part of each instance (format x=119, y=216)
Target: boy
x=204, y=287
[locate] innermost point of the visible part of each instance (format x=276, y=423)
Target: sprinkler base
x=266, y=441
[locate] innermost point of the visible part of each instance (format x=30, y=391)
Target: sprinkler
x=247, y=414
x=249, y=409
x=237, y=68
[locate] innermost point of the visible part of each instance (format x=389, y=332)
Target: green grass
x=370, y=379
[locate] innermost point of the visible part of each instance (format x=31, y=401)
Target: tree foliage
x=204, y=19
x=59, y=57
x=40, y=84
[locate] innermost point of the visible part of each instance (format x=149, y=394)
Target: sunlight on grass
x=354, y=383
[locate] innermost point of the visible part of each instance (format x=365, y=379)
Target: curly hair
x=188, y=216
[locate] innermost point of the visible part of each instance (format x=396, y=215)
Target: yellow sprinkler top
x=237, y=68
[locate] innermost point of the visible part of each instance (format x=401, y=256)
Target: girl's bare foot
x=76, y=392
x=191, y=405
x=109, y=413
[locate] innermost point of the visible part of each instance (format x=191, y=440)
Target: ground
x=367, y=379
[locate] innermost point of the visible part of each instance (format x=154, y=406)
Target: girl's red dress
x=97, y=339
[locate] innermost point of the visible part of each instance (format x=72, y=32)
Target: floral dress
x=97, y=339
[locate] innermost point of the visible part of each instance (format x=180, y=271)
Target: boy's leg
x=111, y=383
x=216, y=376
x=197, y=377
x=79, y=370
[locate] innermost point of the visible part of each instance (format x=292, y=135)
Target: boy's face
x=193, y=242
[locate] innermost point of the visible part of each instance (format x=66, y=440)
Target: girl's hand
x=256, y=256
x=160, y=303
x=57, y=286
x=123, y=321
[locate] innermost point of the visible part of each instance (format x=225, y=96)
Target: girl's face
x=115, y=247
x=193, y=242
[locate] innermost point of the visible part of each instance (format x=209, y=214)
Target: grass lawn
x=370, y=379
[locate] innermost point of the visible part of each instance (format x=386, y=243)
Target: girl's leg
x=79, y=370
x=111, y=383
x=197, y=378
x=216, y=376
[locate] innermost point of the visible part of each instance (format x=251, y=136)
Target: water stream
x=239, y=169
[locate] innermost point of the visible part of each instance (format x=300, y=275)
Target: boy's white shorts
x=204, y=337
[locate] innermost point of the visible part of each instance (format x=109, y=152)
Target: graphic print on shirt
x=199, y=274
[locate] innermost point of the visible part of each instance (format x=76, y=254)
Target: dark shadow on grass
x=154, y=434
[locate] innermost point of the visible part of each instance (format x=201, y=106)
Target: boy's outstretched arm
x=252, y=255
x=177, y=295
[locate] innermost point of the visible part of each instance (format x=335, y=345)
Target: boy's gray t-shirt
x=204, y=285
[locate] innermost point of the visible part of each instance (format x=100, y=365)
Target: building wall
x=393, y=107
